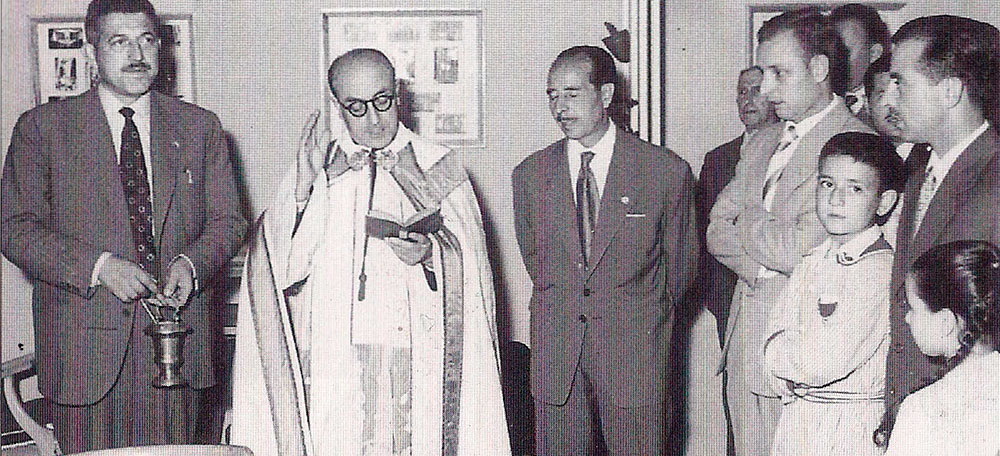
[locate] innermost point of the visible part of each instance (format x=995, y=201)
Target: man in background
x=714, y=287
x=111, y=197
x=884, y=119
x=765, y=219
x=867, y=38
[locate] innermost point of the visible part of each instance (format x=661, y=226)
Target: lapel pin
x=190, y=180
x=175, y=144
x=625, y=200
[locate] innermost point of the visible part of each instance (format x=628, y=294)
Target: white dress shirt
x=116, y=122
x=939, y=165
x=780, y=159
x=599, y=165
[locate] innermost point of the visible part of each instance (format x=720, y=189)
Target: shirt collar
x=604, y=147
x=112, y=104
x=803, y=126
x=852, y=251
x=941, y=164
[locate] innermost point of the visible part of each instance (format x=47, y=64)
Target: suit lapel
x=953, y=189
x=805, y=160
x=756, y=154
x=99, y=144
x=617, y=188
x=560, y=203
x=166, y=158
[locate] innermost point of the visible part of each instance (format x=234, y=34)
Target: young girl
x=829, y=331
x=953, y=294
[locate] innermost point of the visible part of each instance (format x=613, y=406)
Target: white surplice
x=322, y=263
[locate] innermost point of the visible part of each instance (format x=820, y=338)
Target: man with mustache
x=607, y=230
x=110, y=197
x=884, y=118
x=765, y=219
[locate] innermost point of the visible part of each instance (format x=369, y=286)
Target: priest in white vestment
x=366, y=324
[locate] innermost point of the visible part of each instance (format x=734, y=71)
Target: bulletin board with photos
x=438, y=58
x=63, y=70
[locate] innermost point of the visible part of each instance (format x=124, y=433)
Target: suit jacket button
x=586, y=291
x=582, y=318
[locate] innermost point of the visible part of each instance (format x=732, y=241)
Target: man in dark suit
x=714, y=287
x=606, y=268
x=765, y=219
x=109, y=197
x=945, y=88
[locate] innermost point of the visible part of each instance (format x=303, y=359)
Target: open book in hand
x=382, y=225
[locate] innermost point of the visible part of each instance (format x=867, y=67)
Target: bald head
x=364, y=62
x=366, y=80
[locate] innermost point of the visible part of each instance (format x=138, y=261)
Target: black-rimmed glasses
x=358, y=108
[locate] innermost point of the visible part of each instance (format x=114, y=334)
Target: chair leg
x=45, y=439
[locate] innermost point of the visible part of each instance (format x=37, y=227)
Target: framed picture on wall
x=438, y=58
x=63, y=70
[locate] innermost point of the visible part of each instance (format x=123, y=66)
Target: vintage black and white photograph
x=66, y=38
x=500, y=228
x=446, y=62
x=65, y=71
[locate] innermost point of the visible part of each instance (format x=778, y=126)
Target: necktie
x=586, y=204
x=132, y=170
x=927, y=191
x=774, y=167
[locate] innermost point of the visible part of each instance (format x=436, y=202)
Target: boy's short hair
x=872, y=150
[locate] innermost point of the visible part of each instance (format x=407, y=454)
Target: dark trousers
x=133, y=412
x=589, y=416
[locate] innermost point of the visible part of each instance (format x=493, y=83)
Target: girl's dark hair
x=964, y=277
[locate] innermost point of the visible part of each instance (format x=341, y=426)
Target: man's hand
x=180, y=282
x=415, y=249
x=126, y=280
x=311, y=156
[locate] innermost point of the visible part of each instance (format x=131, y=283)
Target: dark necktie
x=586, y=204
x=132, y=170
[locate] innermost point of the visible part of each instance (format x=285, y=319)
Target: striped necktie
x=587, y=202
x=927, y=191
